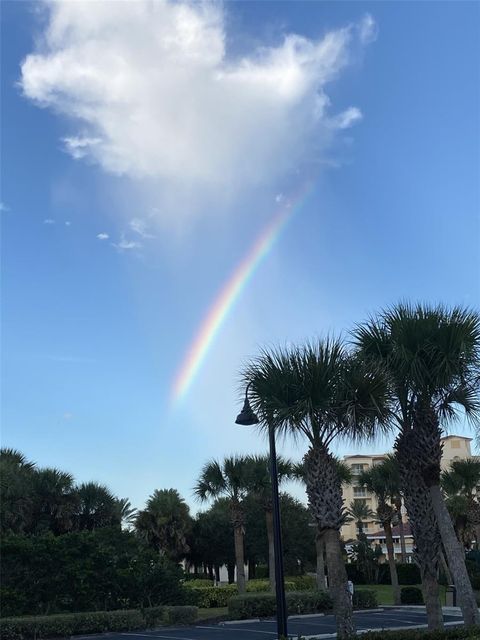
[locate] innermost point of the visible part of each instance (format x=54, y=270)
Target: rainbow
x=231, y=291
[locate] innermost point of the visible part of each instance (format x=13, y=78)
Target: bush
x=408, y=574
x=68, y=624
x=208, y=597
x=261, y=605
x=258, y=586
x=199, y=582
x=411, y=595
x=181, y=615
x=459, y=633
x=365, y=599
x=261, y=571
x=302, y=583
x=355, y=575
x=197, y=576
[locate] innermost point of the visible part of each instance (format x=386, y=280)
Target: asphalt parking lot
x=308, y=627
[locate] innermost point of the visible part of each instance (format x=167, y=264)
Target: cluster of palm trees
x=412, y=369
x=36, y=501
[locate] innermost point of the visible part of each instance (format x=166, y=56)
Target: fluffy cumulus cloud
x=154, y=92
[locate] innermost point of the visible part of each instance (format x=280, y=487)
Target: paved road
x=322, y=626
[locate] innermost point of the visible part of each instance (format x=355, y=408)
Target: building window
x=357, y=469
x=359, y=492
x=455, y=444
x=360, y=501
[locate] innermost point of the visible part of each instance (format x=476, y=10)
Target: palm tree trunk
x=342, y=602
x=320, y=545
x=271, y=549
x=456, y=558
x=403, y=546
x=391, y=562
x=476, y=528
x=239, y=558
x=431, y=595
x=446, y=568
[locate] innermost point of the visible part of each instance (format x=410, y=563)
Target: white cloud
x=103, y=236
x=368, y=29
x=126, y=245
x=140, y=226
x=67, y=223
x=67, y=415
x=49, y=221
x=157, y=96
x=3, y=207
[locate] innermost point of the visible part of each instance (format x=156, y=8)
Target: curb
x=299, y=616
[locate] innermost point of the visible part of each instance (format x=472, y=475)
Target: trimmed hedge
x=365, y=599
x=262, y=605
x=68, y=624
x=302, y=583
x=459, y=633
x=411, y=595
x=263, y=586
x=208, y=597
x=199, y=582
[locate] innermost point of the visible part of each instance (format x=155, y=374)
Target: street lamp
x=247, y=417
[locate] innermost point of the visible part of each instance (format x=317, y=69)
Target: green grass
x=213, y=613
x=385, y=592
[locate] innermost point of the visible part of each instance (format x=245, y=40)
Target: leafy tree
x=320, y=393
x=229, y=479
x=431, y=355
x=165, y=522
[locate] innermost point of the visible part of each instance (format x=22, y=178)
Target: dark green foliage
x=354, y=574
x=208, y=597
x=459, y=633
x=364, y=599
x=84, y=571
x=261, y=571
x=68, y=624
x=302, y=583
x=199, y=582
x=408, y=574
x=262, y=605
x=411, y=595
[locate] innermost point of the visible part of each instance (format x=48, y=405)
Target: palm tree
x=459, y=484
x=230, y=479
x=96, y=507
x=383, y=481
x=260, y=486
x=16, y=478
x=125, y=513
x=319, y=393
x=359, y=511
x=53, y=500
x=432, y=356
x=345, y=476
x=165, y=522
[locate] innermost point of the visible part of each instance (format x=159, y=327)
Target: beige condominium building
x=454, y=448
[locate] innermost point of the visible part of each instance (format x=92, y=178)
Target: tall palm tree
x=54, y=500
x=359, y=511
x=230, y=479
x=125, y=513
x=345, y=476
x=383, y=481
x=260, y=486
x=319, y=393
x=432, y=355
x=165, y=522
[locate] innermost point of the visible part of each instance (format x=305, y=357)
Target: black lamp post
x=247, y=418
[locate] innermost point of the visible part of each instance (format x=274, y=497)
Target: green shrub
x=258, y=586
x=197, y=576
x=302, y=583
x=181, y=615
x=459, y=633
x=365, y=599
x=354, y=574
x=208, y=597
x=408, y=574
x=411, y=595
x=68, y=624
x=199, y=582
x=261, y=605
x=261, y=571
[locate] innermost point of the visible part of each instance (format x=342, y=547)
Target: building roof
x=456, y=437
x=395, y=532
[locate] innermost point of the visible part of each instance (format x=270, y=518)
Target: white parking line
x=268, y=633
x=151, y=635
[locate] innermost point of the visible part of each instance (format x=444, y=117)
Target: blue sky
x=173, y=131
